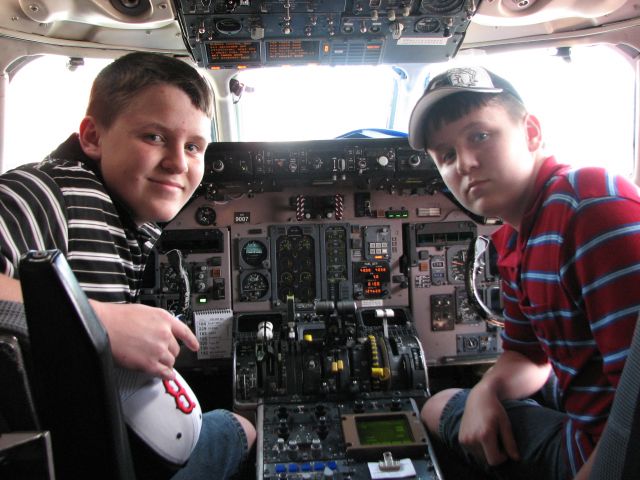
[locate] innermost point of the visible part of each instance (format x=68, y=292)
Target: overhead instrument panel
x=232, y=33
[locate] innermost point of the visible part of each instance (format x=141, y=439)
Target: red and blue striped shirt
x=570, y=278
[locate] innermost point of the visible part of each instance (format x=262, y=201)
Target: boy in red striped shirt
x=568, y=253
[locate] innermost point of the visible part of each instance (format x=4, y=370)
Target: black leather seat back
x=618, y=457
x=73, y=380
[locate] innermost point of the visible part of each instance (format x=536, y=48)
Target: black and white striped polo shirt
x=62, y=203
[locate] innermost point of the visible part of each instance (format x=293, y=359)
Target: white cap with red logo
x=165, y=414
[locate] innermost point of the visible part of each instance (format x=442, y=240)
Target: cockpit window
x=315, y=102
x=583, y=96
x=46, y=101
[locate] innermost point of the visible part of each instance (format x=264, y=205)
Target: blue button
x=318, y=466
x=294, y=468
x=332, y=465
x=280, y=468
x=306, y=467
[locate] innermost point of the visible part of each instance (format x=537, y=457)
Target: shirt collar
x=509, y=241
x=71, y=149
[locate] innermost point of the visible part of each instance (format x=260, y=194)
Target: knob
x=374, y=15
x=414, y=161
x=396, y=29
x=218, y=166
x=292, y=447
x=391, y=15
x=383, y=161
x=316, y=448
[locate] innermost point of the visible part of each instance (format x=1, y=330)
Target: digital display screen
x=293, y=51
x=384, y=431
x=233, y=52
x=374, y=278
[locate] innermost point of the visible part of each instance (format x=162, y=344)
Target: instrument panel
x=249, y=33
x=344, y=224
x=329, y=277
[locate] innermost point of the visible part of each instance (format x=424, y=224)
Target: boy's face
x=152, y=156
x=489, y=161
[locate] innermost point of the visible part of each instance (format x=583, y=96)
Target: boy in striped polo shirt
x=568, y=254
x=136, y=160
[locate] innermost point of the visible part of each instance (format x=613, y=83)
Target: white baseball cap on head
x=164, y=414
x=454, y=80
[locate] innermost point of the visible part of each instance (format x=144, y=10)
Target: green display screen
x=383, y=431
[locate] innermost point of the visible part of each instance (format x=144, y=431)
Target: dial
x=306, y=277
x=286, y=278
x=254, y=253
x=284, y=244
x=205, y=216
x=305, y=243
x=254, y=286
x=427, y=25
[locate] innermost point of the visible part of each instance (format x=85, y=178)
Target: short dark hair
x=123, y=79
x=456, y=106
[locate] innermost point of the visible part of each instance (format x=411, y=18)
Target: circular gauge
x=305, y=243
x=427, y=25
x=286, y=278
x=254, y=286
x=254, y=253
x=284, y=244
x=305, y=277
x=205, y=216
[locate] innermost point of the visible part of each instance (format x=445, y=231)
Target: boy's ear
x=90, y=138
x=534, y=132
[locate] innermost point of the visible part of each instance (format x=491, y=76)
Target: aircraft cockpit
x=332, y=279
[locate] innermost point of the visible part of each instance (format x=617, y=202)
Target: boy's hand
x=143, y=337
x=485, y=429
